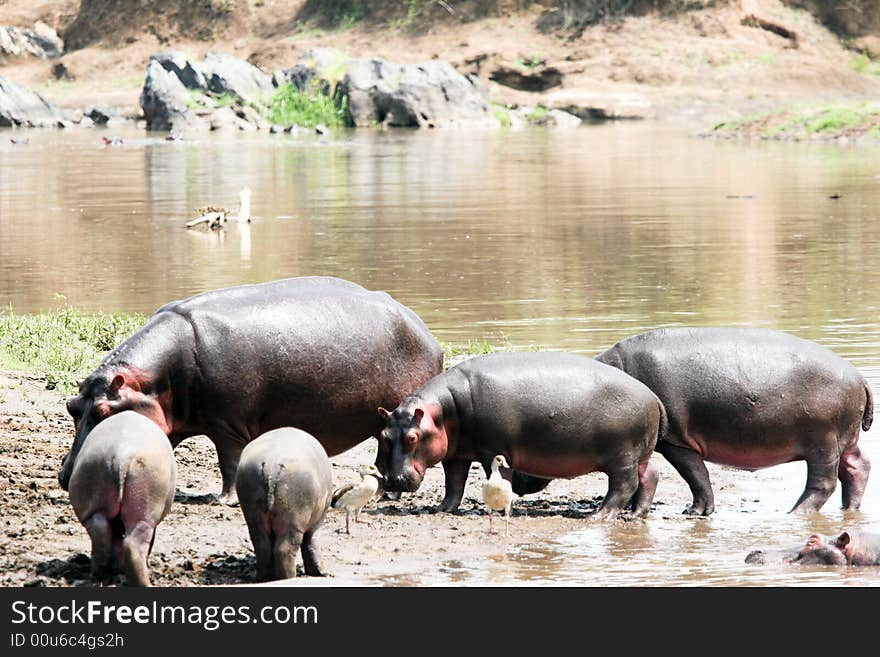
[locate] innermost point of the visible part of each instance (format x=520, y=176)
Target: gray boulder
x=41, y=41
x=229, y=75
x=19, y=106
x=431, y=94
x=164, y=99
x=190, y=73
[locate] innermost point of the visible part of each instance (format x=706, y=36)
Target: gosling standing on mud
x=353, y=497
x=498, y=493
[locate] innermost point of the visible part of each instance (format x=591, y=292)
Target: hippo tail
x=868, y=415
x=663, y=429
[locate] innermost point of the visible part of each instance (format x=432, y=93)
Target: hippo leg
x=101, y=535
x=524, y=484
x=821, y=482
x=284, y=554
x=853, y=474
x=456, y=473
x=262, y=541
x=649, y=475
x=135, y=550
x=311, y=557
x=693, y=470
x=228, y=455
x=623, y=481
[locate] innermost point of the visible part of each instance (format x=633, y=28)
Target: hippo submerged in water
x=317, y=353
x=751, y=399
x=549, y=414
x=849, y=548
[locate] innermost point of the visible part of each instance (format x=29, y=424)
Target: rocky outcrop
x=164, y=99
x=22, y=107
x=539, y=78
x=427, y=95
x=601, y=106
x=41, y=41
x=180, y=93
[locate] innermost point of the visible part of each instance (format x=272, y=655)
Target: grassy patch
x=502, y=113
x=289, y=106
x=828, y=121
x=63, y=345
x=864, y=64
x=538, y=114
x=197, y=99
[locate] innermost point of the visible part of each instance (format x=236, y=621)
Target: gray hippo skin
x=121, y=487
x=550, y=415
x=751, y=399
x=767, y=556
x=284, y=486
x=317, y=353
x=849, y=549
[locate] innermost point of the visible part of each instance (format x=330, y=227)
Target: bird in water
x=498, y=493
x=353, y=497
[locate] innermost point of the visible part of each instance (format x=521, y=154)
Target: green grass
x=197, y=98
x=864, y=64
x=538, y=114
x=830, y=121
x=502, y=113
x=288, y=106
x=63, y=345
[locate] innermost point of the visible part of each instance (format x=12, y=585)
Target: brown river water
x=553, y=239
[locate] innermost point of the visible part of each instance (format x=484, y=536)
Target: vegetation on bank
x=289, y=106
x=851, y=121
x=64, y=346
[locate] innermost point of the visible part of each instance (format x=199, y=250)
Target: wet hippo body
x=751, y=399
x=121, y=487
x=549, y=414
x=284, y=485
x=317, y=353
x=849, y=549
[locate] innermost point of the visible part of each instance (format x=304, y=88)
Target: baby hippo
x=284, y=486
x=121, y=487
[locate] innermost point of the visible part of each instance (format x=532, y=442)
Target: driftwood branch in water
x=213, y=219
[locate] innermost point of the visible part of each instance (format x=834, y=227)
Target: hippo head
x=413, y=440
x=100, y=396
x=818, y=551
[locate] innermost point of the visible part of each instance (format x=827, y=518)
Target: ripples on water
x=561, y=239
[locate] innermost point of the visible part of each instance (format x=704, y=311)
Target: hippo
x=754, y=398
x=284, y=486
x=318, y=353
x=121, y=487
x=848, y=549
x=549, y=414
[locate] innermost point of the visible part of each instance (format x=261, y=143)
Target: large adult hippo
x=316, y=353
x=751, y=399
x=851, y=548
x=549, y=414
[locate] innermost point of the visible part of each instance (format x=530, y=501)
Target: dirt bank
x=204, y=543
x=702, y=65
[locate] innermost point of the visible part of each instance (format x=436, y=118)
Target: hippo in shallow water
x=549, y=414
x=850, y=548
x=121, y=487
x=284, y=485
x=751, y=399
x=317, y=353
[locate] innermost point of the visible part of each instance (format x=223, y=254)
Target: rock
x=19, y=106
x=541, y=116
x=560, y=119
x=869, y=45
x=73, y=115
x=229, y=75
x=253, y=117
x=537, y=79
x=224, y=118
x=378, y=92
x=163, y=99
x=275, y=129
x=86, y=122
x=101, y=114
x=188, y=72
x=41, y=41
x=597, y=106
x=321, y=129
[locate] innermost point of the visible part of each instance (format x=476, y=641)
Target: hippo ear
x=117, y=382
x=418, y=414
x=384, y=413
x=843, y=541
